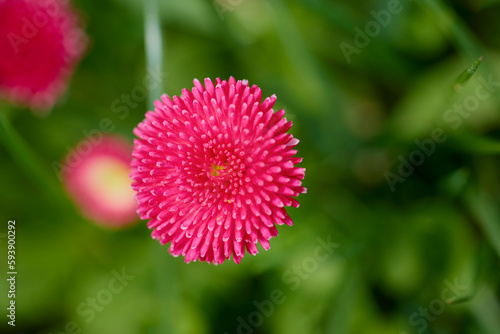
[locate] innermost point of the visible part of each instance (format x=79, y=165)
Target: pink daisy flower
x=214, y=170
x=40, y=44
x=96, y=175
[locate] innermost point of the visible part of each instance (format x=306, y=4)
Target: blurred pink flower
x=40, y=43
x=96, y=175
x=214, y=170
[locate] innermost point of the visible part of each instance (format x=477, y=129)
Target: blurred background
x=399, y=231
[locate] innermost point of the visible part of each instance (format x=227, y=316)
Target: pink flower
x=214, y=170
x=40, y=44
x=96, y=175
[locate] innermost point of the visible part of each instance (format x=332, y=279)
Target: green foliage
x=411, y=211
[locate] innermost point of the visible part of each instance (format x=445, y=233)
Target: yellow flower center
x=216, y=169
x=108, y=180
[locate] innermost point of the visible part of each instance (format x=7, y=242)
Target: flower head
x=96, y=175
x=214, y=170
x=40, y=44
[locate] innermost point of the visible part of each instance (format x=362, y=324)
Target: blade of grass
x=485, y=309
x=31, y=165
x=466, y=75
x=485, y=209
x=346, y=20
x=338, y=14
x=463, y=38
x=344, y=304
x=449, y=21
x=474, y=143
x=299, y=53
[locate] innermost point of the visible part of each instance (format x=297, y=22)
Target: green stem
x=28, y=161
x=153, y=45
x=167, y=287
x=167, y=283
